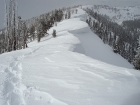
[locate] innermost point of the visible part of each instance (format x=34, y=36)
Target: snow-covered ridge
x=117, y=14
x=75, y=68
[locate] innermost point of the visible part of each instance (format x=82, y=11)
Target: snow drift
x=75, y=68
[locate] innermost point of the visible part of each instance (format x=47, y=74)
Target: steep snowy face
x=89, y=43
x=117, y=14
x=75, y=68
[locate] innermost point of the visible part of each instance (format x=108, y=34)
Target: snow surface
x=75, y=68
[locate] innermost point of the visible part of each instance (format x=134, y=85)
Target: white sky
x=30, y=8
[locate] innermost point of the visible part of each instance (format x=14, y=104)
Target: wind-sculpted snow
x=12, y=90
x=75, y=68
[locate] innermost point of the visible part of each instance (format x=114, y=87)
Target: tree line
x=18, y=33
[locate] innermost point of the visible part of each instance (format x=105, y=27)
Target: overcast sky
x=30, y=8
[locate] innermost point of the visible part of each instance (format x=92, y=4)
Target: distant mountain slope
x=117, y=14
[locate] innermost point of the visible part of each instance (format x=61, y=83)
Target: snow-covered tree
x=39, y=32
x=24, y=35
x=11, y=25
x=19, y=29
x=6, y=25
x=14, y=25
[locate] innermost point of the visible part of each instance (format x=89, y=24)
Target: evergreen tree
x=42, y=28
x=24, y=35
x=66, y=16
x=39, y=33
x=116, y=49
x=2, y=43
x=32, y=32
x=136, y=61
x=76, y=11
x=69, y=15
x=87, y=21
x=54, y=33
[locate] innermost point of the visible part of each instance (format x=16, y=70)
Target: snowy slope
x=75, y=68
x=117, y=14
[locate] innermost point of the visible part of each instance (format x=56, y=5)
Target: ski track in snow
x=14, y=92
x=12, y=86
